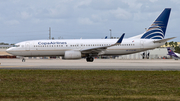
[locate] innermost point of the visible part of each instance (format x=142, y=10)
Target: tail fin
x=158, y=29
x=170, y=52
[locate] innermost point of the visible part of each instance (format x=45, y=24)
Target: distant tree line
x=2, y=43
x=173, y=44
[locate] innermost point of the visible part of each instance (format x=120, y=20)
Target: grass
x=88, y=85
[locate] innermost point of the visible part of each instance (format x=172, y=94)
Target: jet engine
x=72, y=55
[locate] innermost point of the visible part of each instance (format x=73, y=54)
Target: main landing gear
x=23, y=60
x=89, y=59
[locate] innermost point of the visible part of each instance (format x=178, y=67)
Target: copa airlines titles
x=49, y=43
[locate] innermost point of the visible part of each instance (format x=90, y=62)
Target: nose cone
x=9, y=50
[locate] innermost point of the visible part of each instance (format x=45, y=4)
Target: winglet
x=99, y=50
x=120, y=39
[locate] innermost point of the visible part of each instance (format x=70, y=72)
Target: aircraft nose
x=9, y=50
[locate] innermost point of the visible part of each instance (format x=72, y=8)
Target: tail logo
x=155, y=31
x=158, y=28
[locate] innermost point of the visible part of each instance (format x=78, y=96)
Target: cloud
x=85, y=21
x=11, y=22
x=121, y=14
x=25, y=15
x=176, y=1
x=133, y=4
x=153, y=0
x=83, y=3
x=98, y=18
x=84, y=15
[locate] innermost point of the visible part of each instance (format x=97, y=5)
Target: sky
x=22, y=20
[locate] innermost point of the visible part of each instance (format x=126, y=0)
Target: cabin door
x=27, y=45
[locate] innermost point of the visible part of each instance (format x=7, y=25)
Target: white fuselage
x=58, y=47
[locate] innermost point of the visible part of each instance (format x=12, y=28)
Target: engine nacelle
x=72, y=55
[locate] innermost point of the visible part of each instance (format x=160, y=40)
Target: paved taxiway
x=98, y=64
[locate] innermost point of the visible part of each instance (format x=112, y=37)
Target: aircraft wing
x=97, y=50
x=163, y=40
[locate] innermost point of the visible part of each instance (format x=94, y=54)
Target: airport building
x=3, y=53
x=3, y=49
x=157, y=53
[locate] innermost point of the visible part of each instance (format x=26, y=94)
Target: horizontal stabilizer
x=163, y=40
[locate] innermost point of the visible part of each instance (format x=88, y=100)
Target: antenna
x=49, y=32
x=110, y=33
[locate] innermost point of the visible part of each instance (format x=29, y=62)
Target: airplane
x=152, y=38
x=176, y=56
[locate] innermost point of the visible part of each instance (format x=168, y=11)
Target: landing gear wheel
x=89, y=59
x=23, y=60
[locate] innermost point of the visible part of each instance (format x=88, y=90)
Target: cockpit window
x=16, y=45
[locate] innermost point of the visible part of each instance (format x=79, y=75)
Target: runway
x=98, y=64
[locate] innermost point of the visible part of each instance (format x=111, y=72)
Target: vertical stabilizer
x=158, y=29
x=170, y=52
